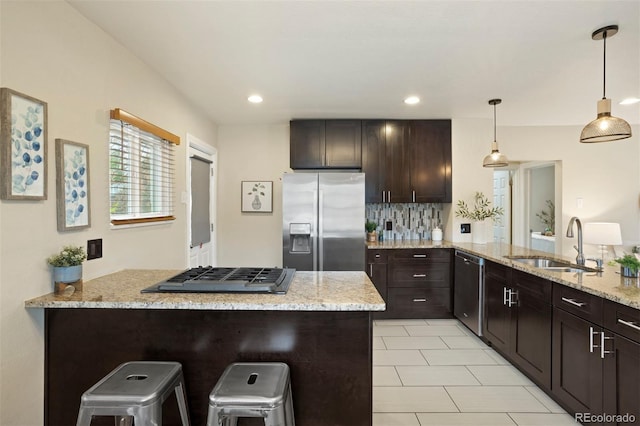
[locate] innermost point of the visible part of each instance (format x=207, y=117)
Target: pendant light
x=495, y=159
x=605, y=128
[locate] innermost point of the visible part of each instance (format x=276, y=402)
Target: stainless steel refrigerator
x=323, y=221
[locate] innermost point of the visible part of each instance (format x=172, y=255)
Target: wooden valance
x=119, y=114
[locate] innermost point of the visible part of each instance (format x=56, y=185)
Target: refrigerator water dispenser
x=300, y=234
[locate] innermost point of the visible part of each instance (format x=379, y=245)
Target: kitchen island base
x=329, y=353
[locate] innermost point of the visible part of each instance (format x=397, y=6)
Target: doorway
x=201, y=181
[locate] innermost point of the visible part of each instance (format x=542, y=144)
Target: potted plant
x=67, y=267
x=480, y=212
x=629, y=265
x=548, y=219
x=370, y=227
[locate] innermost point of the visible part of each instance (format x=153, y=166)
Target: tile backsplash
x=409, y=221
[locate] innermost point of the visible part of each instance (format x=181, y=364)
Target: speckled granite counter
x=309, y=291
x=607, y=284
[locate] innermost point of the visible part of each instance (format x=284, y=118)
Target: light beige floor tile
x=434, y=330
x=499, y=375
x=458, y=357
x=412, y=400
x=400, y=322
x=443, y=321
x=389, y=330
x=495, y=399
x=535, y=419
x=436, y=376
x=385, y=376
x=395, y=419
x=398, y=357
x=545, y=399
x=497, y=357
x=414, y=342
x=464, y=342
x=467, y=331
x=465, y=419
x=378, y=343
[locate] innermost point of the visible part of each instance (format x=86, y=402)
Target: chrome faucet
x=580, y=256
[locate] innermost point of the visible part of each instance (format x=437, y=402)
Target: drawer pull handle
x=573, y=302
x=419, y=300
x=419, y=275
x=419, y=255
x=377, y=256
x=629, y=324
x=603, y=352
x=592, y=345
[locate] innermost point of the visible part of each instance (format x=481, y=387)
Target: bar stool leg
x=124, y=421
x=182, y=404
x=288, y=407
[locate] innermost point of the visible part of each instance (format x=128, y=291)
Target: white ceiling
x=359, y=59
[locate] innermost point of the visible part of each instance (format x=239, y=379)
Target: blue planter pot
x=67, y=274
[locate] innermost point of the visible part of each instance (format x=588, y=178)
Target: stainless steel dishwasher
x=468, y=290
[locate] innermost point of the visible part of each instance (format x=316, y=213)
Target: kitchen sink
x=548, y=264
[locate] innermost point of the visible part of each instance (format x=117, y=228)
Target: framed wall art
x=72, y=185
x=257, y=196
x=23, y=146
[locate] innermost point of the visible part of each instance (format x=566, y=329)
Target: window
x=141, y=170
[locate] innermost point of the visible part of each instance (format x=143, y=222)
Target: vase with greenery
x=480, y=212
x=67, y=266
x=629, y=265
x=548, y=219
x=371, y=227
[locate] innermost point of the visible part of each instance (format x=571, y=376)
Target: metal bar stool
x=135, y=391
x=260, y=389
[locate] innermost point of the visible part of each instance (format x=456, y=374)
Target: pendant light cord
x=604, y=66
x=494, y=122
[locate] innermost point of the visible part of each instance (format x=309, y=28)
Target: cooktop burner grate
x=226, y=280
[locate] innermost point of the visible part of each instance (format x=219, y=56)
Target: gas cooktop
x=226, y=280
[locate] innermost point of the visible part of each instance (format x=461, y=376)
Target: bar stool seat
x=135, y=391
x=261, y=389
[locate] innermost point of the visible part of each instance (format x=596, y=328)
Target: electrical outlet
x=465, y=228
x=94, y=249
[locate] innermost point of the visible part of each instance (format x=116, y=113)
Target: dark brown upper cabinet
x=407, y=161
x=330, y=144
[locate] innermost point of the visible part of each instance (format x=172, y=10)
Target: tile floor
x=438, y=373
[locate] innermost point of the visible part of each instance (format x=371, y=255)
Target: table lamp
x=602, y=234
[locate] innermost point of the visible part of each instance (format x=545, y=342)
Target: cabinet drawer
x=496, y=270
x=419, y=302
x=535, y=286
x=623, y=320
x=421, y=255
x=581, y=304
x=434, y=275
x=376, y=256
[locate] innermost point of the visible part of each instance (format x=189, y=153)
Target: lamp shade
x=602, y=233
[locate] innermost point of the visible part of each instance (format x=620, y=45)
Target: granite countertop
x=309, y=291
x=607, y=284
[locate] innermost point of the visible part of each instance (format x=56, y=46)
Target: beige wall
x=50, y=52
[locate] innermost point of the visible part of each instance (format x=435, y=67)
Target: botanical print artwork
x=75, y=185
x=27, y=147
x=257, y=196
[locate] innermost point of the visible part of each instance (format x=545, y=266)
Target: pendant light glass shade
x=495, y=159
x=605, y=128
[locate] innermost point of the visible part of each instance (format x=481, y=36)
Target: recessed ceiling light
x=630, y=101
x=412, y=100
x=255, y=99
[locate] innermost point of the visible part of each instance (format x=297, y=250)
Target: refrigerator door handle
x=320, y=211
x=314, y=233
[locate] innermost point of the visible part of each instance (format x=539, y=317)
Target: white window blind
x=141, y=173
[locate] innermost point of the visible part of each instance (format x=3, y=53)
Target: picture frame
x=256, y=196
x=23, y=146
x=72, y=185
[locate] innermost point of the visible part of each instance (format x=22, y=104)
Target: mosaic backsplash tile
x=409, y=221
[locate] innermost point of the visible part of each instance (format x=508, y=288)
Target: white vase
x=479, y=232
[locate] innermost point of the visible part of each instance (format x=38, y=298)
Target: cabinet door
x=577, y=370
x=531, y=324
x=497, y=315
x=622, y=379
x=343, y=144
x=419, y=302
x=430, y=156
x=374, y=160
x=398, y=180
x=307, y=144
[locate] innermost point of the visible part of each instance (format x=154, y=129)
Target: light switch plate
x=465, y=228
x=94, y=249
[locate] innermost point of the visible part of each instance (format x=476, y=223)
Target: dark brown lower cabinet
x=497, y=313
x=376, y=269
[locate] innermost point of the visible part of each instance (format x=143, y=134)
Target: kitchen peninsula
x=321, y=328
